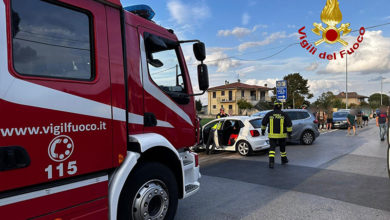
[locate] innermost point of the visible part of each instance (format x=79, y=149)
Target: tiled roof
x=238, y=85
x=350, y=95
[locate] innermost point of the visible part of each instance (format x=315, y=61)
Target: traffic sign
x=281, y=90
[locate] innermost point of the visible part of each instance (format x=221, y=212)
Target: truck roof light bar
x=143, y=11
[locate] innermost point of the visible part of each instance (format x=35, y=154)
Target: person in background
x=365, y=119
x=381, y=122
x=329, y=120
x=351, y=122
x=222, y=113
x=359, y=119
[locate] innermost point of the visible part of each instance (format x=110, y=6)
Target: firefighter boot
x=271, y=162
x=284, y=160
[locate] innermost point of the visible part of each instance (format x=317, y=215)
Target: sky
x=258, y=41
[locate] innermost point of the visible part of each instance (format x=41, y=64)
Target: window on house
x=222, y=93
x=262, y=95
x=214, y=106
x=230, y=107
x=253, y=95
x=242, y=93
x=214, y=95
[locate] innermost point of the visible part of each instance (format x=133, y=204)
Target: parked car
x=305, y=128
x=340, y=119
x=246, y=129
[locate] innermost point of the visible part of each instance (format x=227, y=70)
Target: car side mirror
x=203, y=77
x=199, y=51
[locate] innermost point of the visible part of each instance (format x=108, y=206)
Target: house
x=353, y=98
x=227, y=96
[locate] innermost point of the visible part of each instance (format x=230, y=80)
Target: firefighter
x=222, y=113
x=279, y=127
x=210, y=140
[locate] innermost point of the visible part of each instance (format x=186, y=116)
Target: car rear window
x=340, y=114
x=302, y=115
x=256, y=123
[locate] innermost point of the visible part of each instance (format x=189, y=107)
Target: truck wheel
x=151, y=192
x=307, y=138
x=244, y=148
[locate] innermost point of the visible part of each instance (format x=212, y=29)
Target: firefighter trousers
x=274, y=142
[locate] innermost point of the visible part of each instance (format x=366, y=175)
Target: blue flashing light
x=141, y=10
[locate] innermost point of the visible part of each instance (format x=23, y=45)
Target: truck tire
x=151, y=192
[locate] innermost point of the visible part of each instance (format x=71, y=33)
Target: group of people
x=325, y=119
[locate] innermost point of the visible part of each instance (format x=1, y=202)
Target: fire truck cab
x=97, y=112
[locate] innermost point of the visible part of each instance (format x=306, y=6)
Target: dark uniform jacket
x=279, y=124
x=222, y=115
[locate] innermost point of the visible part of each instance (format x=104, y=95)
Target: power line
x=54, y=45
x=163, y=70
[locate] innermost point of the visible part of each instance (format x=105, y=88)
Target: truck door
x=168, y=109
x=55, y=98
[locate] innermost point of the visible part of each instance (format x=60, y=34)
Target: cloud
x=239, y=31
x=222, y=61
x=245, y=18
x=317, y=87
x=291, y=26
x=271, y=83
x=268, y=40
x=188, y=13
x=242, y=72
x=312, y=67
x=372, y=57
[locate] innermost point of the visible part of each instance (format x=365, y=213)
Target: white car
x=239, y=133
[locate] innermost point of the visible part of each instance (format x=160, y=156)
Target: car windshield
x=340, y=114
x=256, y=123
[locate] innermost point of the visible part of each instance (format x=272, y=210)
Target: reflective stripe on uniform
x=289, y=129
x=263, y=127
x=283, y=154
x=276, y=136
x=281, y=126
x=271, y=155
x=271, y=126
x=272, y=152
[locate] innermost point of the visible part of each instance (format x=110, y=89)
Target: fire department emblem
x=331, y=16
x=60, y=148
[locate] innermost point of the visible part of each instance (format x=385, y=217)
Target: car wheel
x=244, y=148
x=307, y=138
x=151, y=192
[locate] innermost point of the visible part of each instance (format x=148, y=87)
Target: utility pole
x=381, y=90
x=346, y=81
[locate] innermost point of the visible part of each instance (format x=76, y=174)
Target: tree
x=325, y=100
x=243, y=104
x=337, y=103
x=375, y=100
x=198, y=105
x=297, y=90
x=263, y=105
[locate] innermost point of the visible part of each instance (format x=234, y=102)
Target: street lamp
x=346, y=81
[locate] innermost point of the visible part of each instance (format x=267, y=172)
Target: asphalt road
x=338, y=177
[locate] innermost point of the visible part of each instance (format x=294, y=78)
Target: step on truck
x=97, y=112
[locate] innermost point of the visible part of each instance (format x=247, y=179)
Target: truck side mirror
x=199, y=51
x=203, y=77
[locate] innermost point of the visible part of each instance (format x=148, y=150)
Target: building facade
x=353, y=98
x=227, y=96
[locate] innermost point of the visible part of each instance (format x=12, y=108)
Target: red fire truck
x=97, y=112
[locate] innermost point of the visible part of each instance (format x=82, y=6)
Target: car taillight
x=255, y=133
x=315, y=122
x=196, y=160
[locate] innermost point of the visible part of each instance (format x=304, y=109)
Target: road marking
x=330, y=131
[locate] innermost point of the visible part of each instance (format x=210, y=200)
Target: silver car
x=305, y=127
